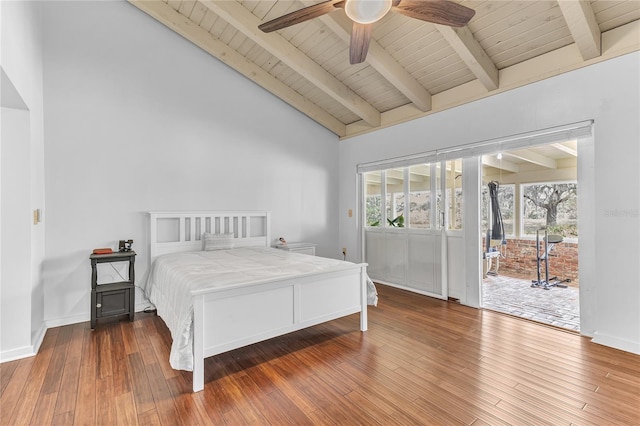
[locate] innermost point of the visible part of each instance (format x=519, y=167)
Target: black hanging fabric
x=497, y=227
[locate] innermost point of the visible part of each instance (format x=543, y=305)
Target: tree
x=549, y=197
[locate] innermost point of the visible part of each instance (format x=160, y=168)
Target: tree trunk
x=552, y=214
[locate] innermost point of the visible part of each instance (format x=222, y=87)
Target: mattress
x=173, y=278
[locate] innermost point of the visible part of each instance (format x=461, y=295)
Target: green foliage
x=566, y=230
x=398, y=222
x=373, y=210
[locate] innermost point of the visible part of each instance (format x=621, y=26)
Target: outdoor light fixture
x=499, y=156
x=367, y=11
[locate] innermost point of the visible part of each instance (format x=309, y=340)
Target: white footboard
x=233, y=318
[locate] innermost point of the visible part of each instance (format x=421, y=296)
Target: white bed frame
x=226, y=319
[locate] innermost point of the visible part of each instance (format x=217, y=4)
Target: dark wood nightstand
x=116, y=298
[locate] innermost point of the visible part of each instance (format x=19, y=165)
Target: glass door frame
x=437, y=219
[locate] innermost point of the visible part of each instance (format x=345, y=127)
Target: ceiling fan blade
x=299, y=16
x=360, y=38
x=443, y=12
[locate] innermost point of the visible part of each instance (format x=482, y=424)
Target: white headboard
x=174, y=232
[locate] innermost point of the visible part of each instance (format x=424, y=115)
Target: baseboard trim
x=39, y=337
x=18, y=353
x=25, y=351
x=616, y=343
x=74, y=319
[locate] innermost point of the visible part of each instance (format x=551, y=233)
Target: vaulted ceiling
x=413, y=68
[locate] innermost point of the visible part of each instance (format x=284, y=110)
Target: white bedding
x=174, y=276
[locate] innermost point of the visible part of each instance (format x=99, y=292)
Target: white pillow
x=217, y=241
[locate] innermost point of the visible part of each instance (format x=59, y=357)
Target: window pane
x=373, y=199
x=506, y=201
x=419, y=196
x=395, y=198
x=439, y=206
x=454, y=193
x=552, y=206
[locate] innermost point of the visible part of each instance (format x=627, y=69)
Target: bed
x=240, y=291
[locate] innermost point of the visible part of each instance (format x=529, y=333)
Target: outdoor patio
x=559, y=307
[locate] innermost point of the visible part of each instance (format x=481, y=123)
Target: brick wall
x=521, y=260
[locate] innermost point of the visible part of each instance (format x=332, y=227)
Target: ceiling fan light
x=367, y=11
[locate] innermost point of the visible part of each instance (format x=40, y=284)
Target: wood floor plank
x=275, y=408
x=53, y=376
x=125, y=409
x=164, y=403
x=149, y=418
x=140, y=386
x=85, y=411
x=144, y=345
x=128, y=338
x=62, y=419
x=380, y=413
x=161, y=353
x=119, y=367
x=422, y=361
x=331, y=403
x=44, y=409
x=6, y=371
x=13, y=389
x=214, y=405
x=26, y=403
x=106, y=413
x=288, y=389
x=188, y=404
x=66, y=402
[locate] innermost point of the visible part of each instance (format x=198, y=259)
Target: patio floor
x=559, y=307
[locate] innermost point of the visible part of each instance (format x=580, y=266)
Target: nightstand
x=305, y=248
x=116, y=298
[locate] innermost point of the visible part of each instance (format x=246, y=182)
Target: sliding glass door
x=405, y=218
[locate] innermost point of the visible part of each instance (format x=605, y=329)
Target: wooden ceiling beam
x=492, y=161
x=182, y=25
x=616, y=42
x=247, y=23
x=564, y=148
x=583, y=26
x=381, y=61
x=472, y=54
x=533, y=157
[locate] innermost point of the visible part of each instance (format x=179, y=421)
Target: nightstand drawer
x=113, y=302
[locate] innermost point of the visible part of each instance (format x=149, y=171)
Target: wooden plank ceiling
x=413, y=68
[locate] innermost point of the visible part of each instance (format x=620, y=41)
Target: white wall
x=608, y=93
x=137, y=120
x=15, y=331
x=21, y=289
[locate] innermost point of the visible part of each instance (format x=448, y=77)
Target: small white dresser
x=304, y=248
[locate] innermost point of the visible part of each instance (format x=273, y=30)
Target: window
x=420, y=196
x=454, y=193
x=373, y=198
x=412, y=197
x=395, y=198
x=552, y=206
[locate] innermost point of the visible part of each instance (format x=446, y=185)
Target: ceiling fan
x=364, y=13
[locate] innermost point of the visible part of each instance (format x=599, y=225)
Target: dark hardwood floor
x=423, y=361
